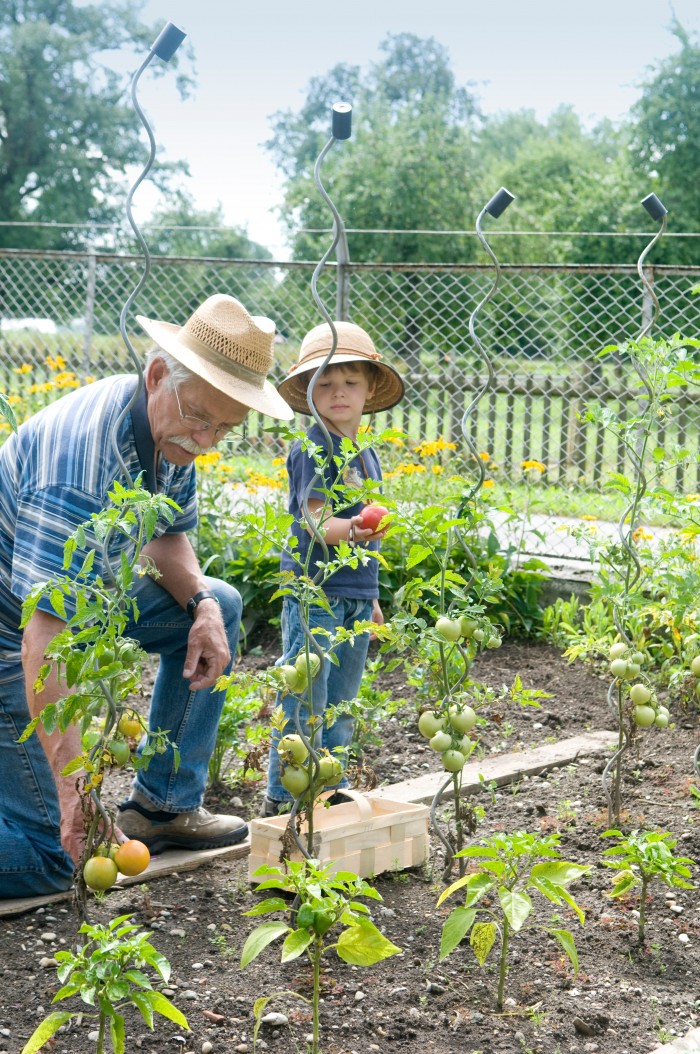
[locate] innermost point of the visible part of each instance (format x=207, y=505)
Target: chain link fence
x=542, y=330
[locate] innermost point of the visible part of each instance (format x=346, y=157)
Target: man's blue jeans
x=333, y=685
x=32, y=860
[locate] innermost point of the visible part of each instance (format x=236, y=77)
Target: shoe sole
x=158, y=845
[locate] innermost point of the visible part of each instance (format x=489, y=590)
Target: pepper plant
x=329, y=917
x=107, y=974
x=643, y=857
x=505, y=867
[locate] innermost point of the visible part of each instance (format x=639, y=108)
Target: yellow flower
x=24, y=368
x=484, y=455
x=489, y=483
x=14, y=400
x=587, y=516
x=429, y=448
x=278, y=461
x=206, y=461
x=641, y=535
x=437, y=470
x=90, y=379
x=66, y=380
x=56, y=362
x=692, y=497
x=538, y=465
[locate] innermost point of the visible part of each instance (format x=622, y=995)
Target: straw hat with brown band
x=354, y=345
x=228, y=348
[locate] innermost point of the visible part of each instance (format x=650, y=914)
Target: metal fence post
x=89, y=311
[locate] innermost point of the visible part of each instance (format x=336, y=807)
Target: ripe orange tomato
x=132, y=857
x=100, y=872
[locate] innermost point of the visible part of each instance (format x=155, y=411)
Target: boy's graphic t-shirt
x=362, y=581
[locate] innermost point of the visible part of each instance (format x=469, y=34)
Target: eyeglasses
x=198, y=424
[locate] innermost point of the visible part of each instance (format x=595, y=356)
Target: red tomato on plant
x=371, y=516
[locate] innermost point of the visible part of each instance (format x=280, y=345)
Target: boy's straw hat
x=354, y=345
x=228, y=348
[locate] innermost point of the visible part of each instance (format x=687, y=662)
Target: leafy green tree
x=406, y=167
x=67, y=126
x=666, y=141
x=180, y=229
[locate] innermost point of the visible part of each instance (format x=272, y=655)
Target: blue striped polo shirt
x=54, y=474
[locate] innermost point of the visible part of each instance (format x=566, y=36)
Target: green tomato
x=294, y=679
x=119, y=750
x=314, y=665
x=431, y=722
x=638, y=657
x=129, y=652
x=467, y=626
x=448, y=628
x=640, y=694
x=294, y=747
x=617, y=650
x=295, y=779
x=453, y=761
x=330, y=770
x=644, y=716
x=479, y=634
x=494, y=641
x=462, y=720
x=662, y=720
x=441, y=742
x=618, y=668
x=633, y=669
x=695, y=666
x=105, y=656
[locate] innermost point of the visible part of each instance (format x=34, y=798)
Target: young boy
x=356, y=382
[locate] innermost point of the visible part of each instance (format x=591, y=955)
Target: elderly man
x=200, y=381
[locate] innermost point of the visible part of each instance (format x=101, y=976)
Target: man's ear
x=155, y=374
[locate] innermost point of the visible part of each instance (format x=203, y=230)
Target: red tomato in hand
x=371, y=516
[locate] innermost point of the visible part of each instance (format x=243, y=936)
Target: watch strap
x=204, y=594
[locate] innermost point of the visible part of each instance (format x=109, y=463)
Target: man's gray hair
x=177, y=373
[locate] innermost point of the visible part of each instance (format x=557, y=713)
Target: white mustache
x=188, y=444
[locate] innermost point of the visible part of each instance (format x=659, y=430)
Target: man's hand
x=208, y=652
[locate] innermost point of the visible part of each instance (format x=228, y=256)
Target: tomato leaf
x=165, y=1008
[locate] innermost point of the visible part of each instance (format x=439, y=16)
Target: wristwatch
x=204, y=594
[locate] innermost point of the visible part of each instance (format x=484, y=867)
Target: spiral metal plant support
x=626, y=523
x=495, y=207
x=340, y=130
x=164, y=47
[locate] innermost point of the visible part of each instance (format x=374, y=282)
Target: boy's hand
x=365, y=534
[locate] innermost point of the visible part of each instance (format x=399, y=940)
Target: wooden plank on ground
x=503, y=769
x=164, y=864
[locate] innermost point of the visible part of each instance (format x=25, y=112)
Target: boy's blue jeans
x=333, y=685
x=32, y=860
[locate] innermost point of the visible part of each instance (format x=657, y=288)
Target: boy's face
x=340, y=394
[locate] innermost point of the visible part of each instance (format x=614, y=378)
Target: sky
x=252, y=59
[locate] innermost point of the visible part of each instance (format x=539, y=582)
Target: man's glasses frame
x=198, y=424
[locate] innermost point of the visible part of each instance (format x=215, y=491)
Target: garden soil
x=626, y=999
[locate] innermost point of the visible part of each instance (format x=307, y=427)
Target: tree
x=180, y=229
x=666, y=141
x=67, y=126
x=408, y=165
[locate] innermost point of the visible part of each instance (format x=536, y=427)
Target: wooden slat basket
x=365, y=835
